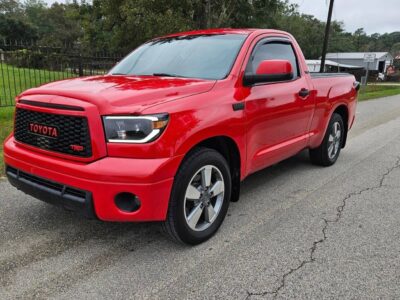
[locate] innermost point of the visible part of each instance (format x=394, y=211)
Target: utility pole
x=326, y=38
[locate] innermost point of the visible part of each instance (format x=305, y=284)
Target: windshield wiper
x=154, y=74
x=167, y=75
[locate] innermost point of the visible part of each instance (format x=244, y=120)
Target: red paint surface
x=274, y=67
x=275, y=124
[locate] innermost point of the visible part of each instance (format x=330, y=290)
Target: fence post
x=80, y=62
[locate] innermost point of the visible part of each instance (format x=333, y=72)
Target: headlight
x=134, y=129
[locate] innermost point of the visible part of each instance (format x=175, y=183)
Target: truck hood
x=113, y=94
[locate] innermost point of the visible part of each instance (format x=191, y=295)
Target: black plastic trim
x=238, y=106
x=52, y=192
x=357, y=85
x=304, y=93
x=251, y=79
x=51, y=105
x=275, y=39
x=71, y=129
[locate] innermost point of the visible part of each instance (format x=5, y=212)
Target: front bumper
x=52, y=192
x=99, y=182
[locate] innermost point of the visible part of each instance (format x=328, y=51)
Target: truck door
x=277, y=113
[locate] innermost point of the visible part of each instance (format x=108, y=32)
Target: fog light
x=127, y=202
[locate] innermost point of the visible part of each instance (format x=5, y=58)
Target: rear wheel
x=200, y=197
x=328, y=152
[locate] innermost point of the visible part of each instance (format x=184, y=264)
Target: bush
x=394, y=78
x=24, y=58
x=37, y=59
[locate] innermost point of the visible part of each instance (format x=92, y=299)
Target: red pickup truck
x=171, y=131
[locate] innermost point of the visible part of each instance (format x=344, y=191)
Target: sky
x=372, y=15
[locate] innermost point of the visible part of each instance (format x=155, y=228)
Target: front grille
x=72, y=131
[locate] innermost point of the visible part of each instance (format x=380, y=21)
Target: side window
x=272, y=50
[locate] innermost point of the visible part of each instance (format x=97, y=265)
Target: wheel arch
x=229, y=149
x=343, y=111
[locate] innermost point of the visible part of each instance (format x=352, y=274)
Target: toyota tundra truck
x=172, y=130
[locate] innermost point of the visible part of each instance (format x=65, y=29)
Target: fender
x=317, y=138
x=214, y=132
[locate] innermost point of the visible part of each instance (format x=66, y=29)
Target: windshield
x=194, y=56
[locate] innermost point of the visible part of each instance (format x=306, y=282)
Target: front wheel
x=200, y=197
x=328, y=152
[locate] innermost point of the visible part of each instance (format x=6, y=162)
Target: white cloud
x=373, y=16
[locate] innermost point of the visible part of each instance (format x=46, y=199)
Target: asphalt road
x=299, y=231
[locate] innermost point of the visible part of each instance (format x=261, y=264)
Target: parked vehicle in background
x=172, y=130
x=380, y=77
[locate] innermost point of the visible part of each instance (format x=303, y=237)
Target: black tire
x=321, y=155
x=176, y=225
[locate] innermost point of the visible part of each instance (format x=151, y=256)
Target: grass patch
x=15, y=80
x=6, y=126
x=377, y=91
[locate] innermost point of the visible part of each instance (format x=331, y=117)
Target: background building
x=382, y=60
x=314, y=66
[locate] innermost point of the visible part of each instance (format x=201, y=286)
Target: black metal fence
x=25, y=64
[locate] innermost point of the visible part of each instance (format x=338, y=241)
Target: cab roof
x=245, y=31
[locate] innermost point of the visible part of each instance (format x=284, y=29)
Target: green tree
x=121, y=25
x=360, y=40
x=11, y=8
x=13, y=25
x=395, y=50
x=12, y=29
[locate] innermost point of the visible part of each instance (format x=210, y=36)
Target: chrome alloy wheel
x=334, y=140
x=204, y=198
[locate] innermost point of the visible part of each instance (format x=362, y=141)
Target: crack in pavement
x=339, y=212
